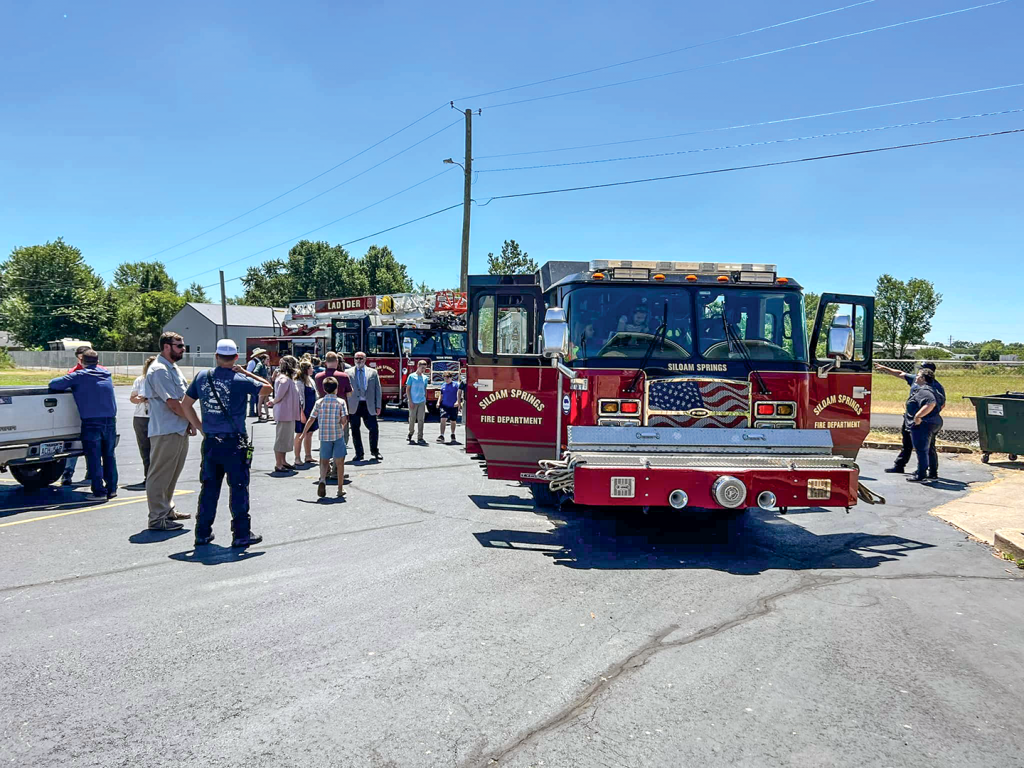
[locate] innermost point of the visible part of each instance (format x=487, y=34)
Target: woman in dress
x=305, y=382
x=288, y=409
x=140, y=422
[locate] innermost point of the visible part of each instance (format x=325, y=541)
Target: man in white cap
x=222, y=393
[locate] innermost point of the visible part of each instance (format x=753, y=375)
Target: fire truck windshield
x=436, y=343
x=621, y=321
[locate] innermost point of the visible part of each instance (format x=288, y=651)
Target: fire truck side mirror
x=407, y=346
x=555, y=333
x=840, y=339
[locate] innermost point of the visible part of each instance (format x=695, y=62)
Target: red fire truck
x=394, y=330
x=676, y=384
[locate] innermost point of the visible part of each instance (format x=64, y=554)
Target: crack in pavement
x=638, y=658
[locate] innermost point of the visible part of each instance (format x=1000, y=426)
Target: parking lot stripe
x=86, y=509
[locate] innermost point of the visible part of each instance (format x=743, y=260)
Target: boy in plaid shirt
x=331, y=413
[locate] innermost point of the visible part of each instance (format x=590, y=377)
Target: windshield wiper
x=661, y=331
x=733, y=338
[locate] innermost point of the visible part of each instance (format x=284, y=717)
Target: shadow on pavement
x=744, y=545
x=146, y=536
x=213, y=554
x=22, y=502
x=943, y=484
x=326, y=500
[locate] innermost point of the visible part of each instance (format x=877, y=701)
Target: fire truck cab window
x=762, y=325
x=512, y=331
x=346, y=342
x=424, y=343
x=622, y=322
x=381, y=342
x=454, y=343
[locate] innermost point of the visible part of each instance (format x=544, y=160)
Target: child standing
x=448, y=400
x=331, y=413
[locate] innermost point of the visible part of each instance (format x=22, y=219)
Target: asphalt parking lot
x=437, y=618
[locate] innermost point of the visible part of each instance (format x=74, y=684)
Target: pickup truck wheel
x=35, y=476
x=543, y=496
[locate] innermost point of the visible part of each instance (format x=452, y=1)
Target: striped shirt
x=329, y=411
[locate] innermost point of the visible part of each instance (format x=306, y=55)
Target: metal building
x=200, y=324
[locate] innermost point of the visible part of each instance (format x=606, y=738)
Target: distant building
x=200, y=324
x=1009, y=358
x=8, y=342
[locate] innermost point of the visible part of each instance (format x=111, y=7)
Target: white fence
x=125, y=363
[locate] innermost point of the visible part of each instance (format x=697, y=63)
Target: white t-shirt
x=141, y=409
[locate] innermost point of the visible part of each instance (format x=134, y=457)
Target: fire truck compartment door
x=511, y=391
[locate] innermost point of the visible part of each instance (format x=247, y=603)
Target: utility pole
x=466, y=202
x=223, y=305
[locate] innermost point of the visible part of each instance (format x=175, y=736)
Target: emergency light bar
x=626, y=269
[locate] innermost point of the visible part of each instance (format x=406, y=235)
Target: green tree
x=385, y=273
x=513, y=261
x=811, y=302
x=991, y=350
x=903, y=312
x=144, y=276
x=49, y=293
x=932, y=353
x=139, y=323
x=319, y=270
x=196, y=293
x=268, y=285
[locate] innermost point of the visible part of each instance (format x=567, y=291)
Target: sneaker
x=321, y=489
x=932, y=477
x=378, y=456
x=250, y=540
x=341, y=492
x=440, y=438
x=453, y=440
x=916, y=479
x=421, y=441
x=67, y=481
x=111, y=496
x=201, y=540
x=97, y=497
x=894, y=470
x=167, y=525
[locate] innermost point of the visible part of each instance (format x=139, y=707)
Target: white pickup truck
x=39, y=431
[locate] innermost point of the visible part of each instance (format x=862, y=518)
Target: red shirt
x=344, y=384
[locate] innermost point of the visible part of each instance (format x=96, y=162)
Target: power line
x=299, y=186
x=751, y=125
x=751, y=167
x=322, y=226
x=374, y=234
x=745, y=58
x=314, y=197
x=665, y=53
x=756, y=143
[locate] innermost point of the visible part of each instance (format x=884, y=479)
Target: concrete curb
x=897, y=446
x=1011, y=541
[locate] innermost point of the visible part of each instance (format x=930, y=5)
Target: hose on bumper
x=558, y=473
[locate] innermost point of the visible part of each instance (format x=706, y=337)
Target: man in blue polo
x=94, y=395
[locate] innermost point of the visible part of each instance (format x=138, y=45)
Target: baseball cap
x=929, y=366
x=227, y=348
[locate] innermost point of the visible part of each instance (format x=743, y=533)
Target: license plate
x=819, y=489
x=623, y=487
x=49, y=449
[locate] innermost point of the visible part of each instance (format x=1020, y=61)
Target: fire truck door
x=841, y=347
x=511, y=391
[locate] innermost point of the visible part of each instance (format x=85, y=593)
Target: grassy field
x=888, y=394
x=28, y=378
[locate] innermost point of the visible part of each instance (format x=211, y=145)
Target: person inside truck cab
x=585, y=344
x=639, y=323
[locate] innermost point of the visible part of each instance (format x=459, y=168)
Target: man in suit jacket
x=364, y=404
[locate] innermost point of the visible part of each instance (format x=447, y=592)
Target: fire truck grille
x=438, y=368
x=698, y=403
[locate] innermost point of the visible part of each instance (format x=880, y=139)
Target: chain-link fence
x=122, y=363
x=960, y=379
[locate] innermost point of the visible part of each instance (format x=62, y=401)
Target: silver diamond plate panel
x=723, y=463
x=693, y=440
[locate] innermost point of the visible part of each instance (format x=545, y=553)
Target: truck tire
x=35, y=476
x=543, y=496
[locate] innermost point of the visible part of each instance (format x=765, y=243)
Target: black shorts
x=450, y=412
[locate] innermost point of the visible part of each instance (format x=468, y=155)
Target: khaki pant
x=166, y=459
x=417, y=418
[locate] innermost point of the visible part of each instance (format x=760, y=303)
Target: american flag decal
x=698, y=403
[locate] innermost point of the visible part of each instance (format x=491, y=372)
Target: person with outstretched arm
x=903, y=457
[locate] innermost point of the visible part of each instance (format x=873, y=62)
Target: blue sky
x=128, y=127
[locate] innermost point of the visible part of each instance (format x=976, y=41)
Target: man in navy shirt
x=94, y=395
x=222, y=393
x=940, y=399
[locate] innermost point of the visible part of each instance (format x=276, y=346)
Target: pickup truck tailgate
x=32, y=414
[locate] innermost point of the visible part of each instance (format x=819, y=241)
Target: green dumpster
x=1000, y=424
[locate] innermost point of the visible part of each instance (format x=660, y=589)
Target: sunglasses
x=178, y=346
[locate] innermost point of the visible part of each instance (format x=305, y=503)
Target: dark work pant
x=908, y=447
x=923, y=439
x=933, y=452
x=224, y=455
x=141, y=425
x=253, y=405
x=361, y=414
x=99, y=437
